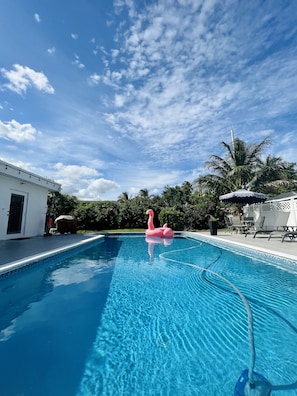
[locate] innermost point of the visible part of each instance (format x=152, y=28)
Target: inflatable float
x=160, y=232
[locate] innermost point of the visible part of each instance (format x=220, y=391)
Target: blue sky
x=107, y=97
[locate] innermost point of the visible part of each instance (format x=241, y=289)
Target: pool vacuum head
x=259, y=387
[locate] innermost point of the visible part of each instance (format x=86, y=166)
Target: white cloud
x=37, y=18
x=166, y=102
x=52, y=50
x=22, y=77
x=77, y=62
x=178, y=76
x=154, y=30
x=192, y=83
x=75, y=172
x=97, y=188
x=119, y=100
x=13, y=130
x=83, y=182
x=114, y=53
x=94, y=79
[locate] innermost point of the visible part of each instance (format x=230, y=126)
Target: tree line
x=188, y=206
x=179, y=206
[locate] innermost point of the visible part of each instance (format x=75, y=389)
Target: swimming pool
x=127, y=317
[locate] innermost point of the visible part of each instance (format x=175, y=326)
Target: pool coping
x=15, y=265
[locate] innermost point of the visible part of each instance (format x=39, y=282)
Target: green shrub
x=174, y=218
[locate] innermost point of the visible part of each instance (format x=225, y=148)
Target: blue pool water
x=124, y=317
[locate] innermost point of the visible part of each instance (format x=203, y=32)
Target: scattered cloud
x=94, y=79
x=168, y=82
x=114, y=53
x=77, y=62
x=37, y=18
x=22, y=77
x=172, y=90
x=52, y=50
x=119, y=100
x=17, y=132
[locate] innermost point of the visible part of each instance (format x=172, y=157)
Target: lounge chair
x=252, y=227
x=279, y=227
x=290, y=234
x=228, y=221
x=286, y=232
x=249, y=224
x=238, y=225
x=260, y=228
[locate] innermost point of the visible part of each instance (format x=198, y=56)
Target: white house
x=23, y=202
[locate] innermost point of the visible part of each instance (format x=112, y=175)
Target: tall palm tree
x=275, y=175
x=235, y=170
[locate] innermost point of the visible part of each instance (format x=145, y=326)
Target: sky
x=113, y=96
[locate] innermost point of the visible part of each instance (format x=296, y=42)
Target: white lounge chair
x=278, y=228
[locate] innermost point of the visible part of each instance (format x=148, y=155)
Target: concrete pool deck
x=20, y=250
x=286, y=249
x=14, y=253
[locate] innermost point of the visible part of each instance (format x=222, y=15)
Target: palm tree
x=143, y=193
x=124, y=197
x=234, y=171
x=275, y=176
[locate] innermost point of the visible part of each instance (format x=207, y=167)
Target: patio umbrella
x=243, y=197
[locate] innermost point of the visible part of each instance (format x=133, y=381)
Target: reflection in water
x=152, y=241
x=49, y=314
x=18, y=291
x=81, y=271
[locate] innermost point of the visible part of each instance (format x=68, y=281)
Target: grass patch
x=125, y=230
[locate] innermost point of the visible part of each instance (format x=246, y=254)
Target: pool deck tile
x=286, y=249
x=14, y=250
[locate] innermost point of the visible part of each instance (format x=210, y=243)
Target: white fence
x=277, y=213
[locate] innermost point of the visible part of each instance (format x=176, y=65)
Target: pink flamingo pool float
x=161, y=232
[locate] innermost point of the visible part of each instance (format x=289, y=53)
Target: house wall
x=34, y=209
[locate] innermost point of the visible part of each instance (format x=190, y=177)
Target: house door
x=15, y=214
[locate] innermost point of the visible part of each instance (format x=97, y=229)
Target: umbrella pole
x=239, y=207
